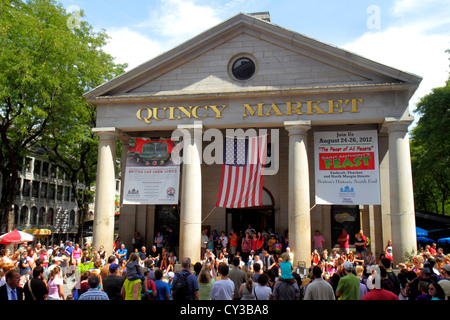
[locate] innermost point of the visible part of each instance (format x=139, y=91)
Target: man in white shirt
x=223, y=240
x=223, y=289
x=319, y=289
x=204, y=242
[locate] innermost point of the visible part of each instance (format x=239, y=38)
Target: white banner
x=150, y=175
x=346, y=167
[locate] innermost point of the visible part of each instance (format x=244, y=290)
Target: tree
x=46, y=64
x=430, y=151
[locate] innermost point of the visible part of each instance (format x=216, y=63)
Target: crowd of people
x=244, y=265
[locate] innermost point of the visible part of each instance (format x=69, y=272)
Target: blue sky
x=410, y=35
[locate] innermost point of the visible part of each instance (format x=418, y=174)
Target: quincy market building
x=338, y=138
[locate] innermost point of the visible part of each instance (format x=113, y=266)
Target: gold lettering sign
x=318, y=107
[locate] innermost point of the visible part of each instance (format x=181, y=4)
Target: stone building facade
x=289, y=84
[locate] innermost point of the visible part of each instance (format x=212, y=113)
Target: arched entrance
x=260, y=218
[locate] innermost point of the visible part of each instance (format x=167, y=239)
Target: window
x=50, y=217
x=23, y=215
x=37, y=166
x=35, y=189
x=33, y=216
x=52, y=192
x=28, y=165
x=26, y=188
x=41, y=217
x=59, y=193
x=44, y=186
x=45, y=169
x=66, y=193
x=53, y=170
x=242, y=67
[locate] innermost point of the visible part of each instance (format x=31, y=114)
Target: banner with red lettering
x=346, y=167
x=151, y=177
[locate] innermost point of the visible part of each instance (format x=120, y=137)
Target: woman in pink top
x=55, y=285
x=76, y=255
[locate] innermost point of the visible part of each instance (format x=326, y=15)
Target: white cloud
x=407, y=49
x=130, y=47
x=180, y=19
x=415, y=43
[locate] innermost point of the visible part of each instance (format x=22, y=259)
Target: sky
x=409, y=35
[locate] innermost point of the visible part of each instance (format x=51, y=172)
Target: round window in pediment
x=243, y=68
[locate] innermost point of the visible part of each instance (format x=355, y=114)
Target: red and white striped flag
x=242, y=172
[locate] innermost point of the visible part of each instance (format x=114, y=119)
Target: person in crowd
x=122, y=252
x=378, y=292
x=55, y=285
x=36, y=288
x=286, y=289
x=343, y=241
x=318, y=289
x=318, y=241
x=238, y=276
x=133, y=268
x=414, y=288
x=436, y=292
x=94, y=293
x=112, y=284
x=11, y=289
x=246, y=288
x=162, y=287
x=391, y=283
x=186, y=288
x=205, y=283
x=445, y=282
x=359, y=270
x=132, y=289
x=348, y=286
x=76, y=255
x=262, y=291
x=222, y=289
x=104, y=271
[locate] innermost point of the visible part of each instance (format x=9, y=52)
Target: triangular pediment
x=285, y=61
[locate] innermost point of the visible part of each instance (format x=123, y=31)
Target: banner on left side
x=151, y=175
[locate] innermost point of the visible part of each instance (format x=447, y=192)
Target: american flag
x=242, y=172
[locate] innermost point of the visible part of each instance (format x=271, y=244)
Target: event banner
x=346, y=167
x=151, y=177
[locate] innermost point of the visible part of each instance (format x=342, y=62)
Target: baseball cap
x=426, y=271
x=348, y=265
x=113, y=267
x=446, y=268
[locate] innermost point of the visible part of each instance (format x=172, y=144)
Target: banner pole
x=208, y=214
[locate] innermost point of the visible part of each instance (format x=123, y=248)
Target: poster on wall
x=151, y=177
x=346, y=167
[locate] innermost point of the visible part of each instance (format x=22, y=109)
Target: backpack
x=180, y=287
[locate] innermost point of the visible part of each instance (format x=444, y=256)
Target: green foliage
x=430, y=151
x=45, y=68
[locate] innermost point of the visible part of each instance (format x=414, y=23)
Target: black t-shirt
x=359, y=244
x=38, y=287
x=112, y=285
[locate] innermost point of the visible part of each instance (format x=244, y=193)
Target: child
x=286, y=267
x=172, y=261
x=133, y=269
x=164, y=260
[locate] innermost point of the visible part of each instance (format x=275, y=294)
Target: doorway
x=260, y=218
x=167, y=217
x=344, y=217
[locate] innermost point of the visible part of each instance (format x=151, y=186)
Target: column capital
x=106, y=133
x=397, y=124
x=297, y=127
